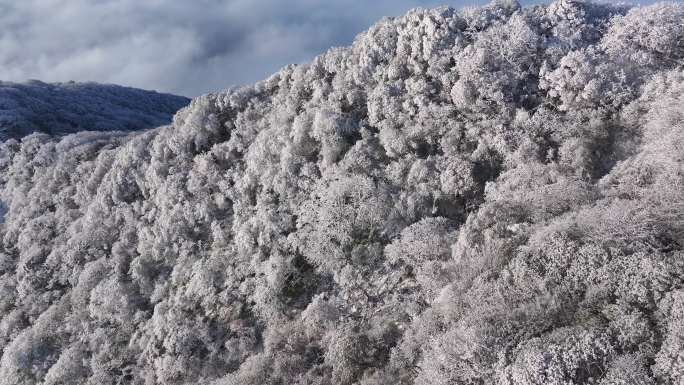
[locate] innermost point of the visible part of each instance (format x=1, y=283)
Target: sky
x=186, y=47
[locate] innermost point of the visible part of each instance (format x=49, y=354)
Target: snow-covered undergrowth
x=66, y=108
x=483, y=196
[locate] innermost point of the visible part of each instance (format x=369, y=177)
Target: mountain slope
x=65, y=108
x=479, y=196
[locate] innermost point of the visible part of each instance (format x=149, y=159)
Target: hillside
x=482, y=196
x=66, y=108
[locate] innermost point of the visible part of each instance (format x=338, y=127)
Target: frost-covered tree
x=489, y=195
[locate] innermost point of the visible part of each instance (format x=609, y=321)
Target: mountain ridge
x=488, y=195
x=64, y=108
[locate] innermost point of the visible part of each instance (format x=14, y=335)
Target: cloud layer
x=174, y=46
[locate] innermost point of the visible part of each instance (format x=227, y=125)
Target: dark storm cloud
x=185, y=47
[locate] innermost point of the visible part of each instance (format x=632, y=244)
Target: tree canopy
x=480, y=196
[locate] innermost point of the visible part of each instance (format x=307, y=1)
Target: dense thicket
x=67, y=108
x=479, y=196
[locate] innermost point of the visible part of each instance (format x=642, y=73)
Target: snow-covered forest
x=480, y=196
x=66, y=108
